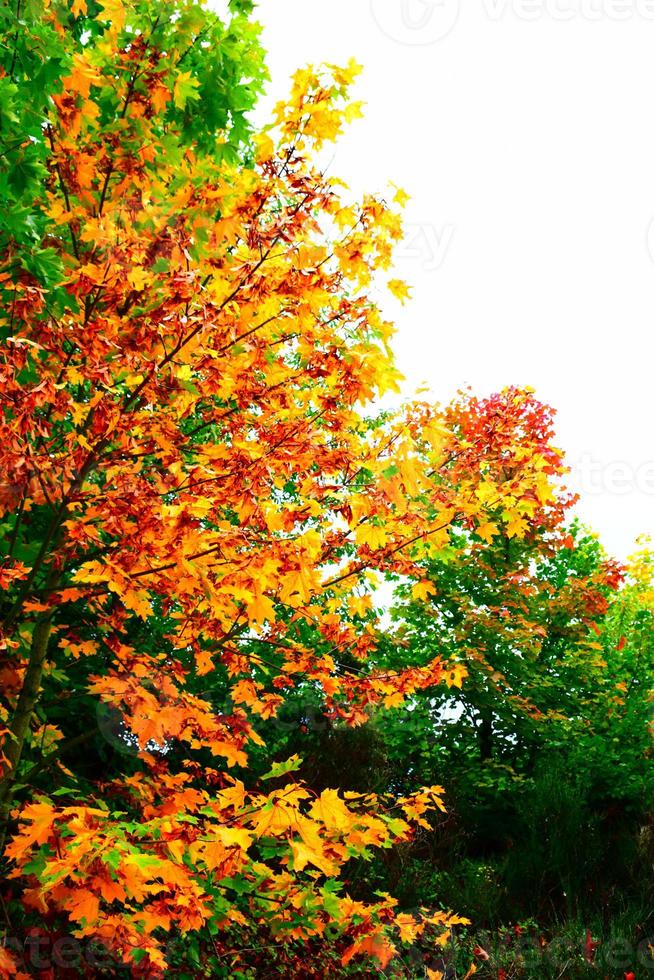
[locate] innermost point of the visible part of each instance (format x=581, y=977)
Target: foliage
x=218, y=759
x=549, y=806
x=550, y=802
x=194, y=501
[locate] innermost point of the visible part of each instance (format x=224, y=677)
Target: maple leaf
x=159, y=96
x=281, y=768
x=9, y=966
x=82, y=77
x=186, y=87
x=138, y=278
x=234, y=755
x=422, y=590
x=83, y=905
x=401, y=197
x=113, y=890
x=204, y=662
x=304, y=854
x=297, y=586
x=39, y=830
x=269, y=705
x=114, y=13
x=408, y=927
x=455, y=675
x=332, y=811
x=346, y=75
x=487, y=530
x=399, y=289
x=516, y=527
x=375, y=945
x=261, y=609
x=372, y=535
x=235, y=837
x=139, y=602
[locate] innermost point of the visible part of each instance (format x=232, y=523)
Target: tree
x=546, y=750
x=195, y=503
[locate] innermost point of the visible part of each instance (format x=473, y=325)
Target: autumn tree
x=198, y=497
x=546, y=750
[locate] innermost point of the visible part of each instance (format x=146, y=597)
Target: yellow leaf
x=516, y=527
x=487, y=531
x=303, y=855
x=114, y=14
x=273, y=821
x=82, y=76
x=265, y=148
x=408, y=927
x=332, y=811
x=422, y=590
x=486, y=491
x=399, y=289
x=137, y=278
x=375, y=537
x=235, y=837
x=455, y=676
x=261, y=609
x=353, y=111
x=138, y=602
x=345, y=76
x=298, y=584
x=401, y=197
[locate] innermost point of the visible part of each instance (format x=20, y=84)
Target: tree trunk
x=485, y=730
x=27, y=699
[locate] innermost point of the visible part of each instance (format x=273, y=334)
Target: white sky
x=524, y=132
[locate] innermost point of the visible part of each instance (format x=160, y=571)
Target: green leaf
x=281, y=768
